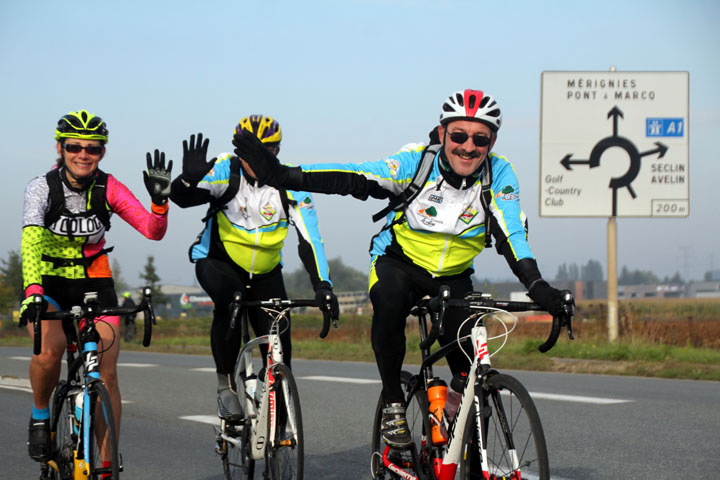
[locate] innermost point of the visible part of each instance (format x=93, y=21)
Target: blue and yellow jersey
x=253, y=225
x=443, y=228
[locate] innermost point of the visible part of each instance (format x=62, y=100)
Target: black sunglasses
x=461, y=137
x=90, y=149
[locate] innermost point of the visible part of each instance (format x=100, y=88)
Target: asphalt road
x=597, y=426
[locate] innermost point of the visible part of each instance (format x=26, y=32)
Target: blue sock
x=41, y=413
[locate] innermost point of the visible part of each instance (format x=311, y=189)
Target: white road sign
x=614, y=144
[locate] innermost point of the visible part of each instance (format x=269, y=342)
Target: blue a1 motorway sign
x=614, y=144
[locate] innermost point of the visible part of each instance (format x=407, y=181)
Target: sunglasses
x=461, y=137
x=90, y=149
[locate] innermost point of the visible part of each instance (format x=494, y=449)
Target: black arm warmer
x=184, y=196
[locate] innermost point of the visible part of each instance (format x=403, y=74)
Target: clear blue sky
x=348, y=81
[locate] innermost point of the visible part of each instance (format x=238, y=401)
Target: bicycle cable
x=480, y=316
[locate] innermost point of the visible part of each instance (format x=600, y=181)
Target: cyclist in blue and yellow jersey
x=240, y=247
x=461, y=196
x=66, y=214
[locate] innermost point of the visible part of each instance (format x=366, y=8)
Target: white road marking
x=535, y=395
x=209, y=419
x=578, y=398
x=203, y=369
x=13, y=383
x=323, y=378
x=137, y=365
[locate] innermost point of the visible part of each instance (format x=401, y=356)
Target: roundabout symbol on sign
x=616, y=141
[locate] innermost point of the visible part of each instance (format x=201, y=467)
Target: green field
x=658, y=338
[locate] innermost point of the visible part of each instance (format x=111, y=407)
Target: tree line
x=297, y=283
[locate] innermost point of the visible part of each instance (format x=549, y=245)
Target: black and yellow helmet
x=265, y=128
x=82, y=124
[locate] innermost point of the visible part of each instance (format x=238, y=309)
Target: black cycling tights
x=221, y=280
x=398, y=288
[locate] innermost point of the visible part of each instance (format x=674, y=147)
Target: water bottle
x=79, y=398
x=437, y=394
x=457, y=386
x=251, y=388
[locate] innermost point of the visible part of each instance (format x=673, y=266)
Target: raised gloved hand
x=195, y=164
x=262, y=161
x=157, y=178
x=30, y=308
x=327, y=300
x=554, y=301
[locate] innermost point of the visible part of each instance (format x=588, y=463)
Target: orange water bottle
x=437, y=394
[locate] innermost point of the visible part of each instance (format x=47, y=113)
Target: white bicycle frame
x=454, y=452
x=257, y=418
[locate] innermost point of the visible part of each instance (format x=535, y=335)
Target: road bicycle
x=271, y=427
x=496, y=432
x=82, y=425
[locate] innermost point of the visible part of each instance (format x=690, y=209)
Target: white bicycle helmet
x=472, y=105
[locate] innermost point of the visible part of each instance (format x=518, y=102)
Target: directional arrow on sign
x=567, y=161
x=625, y=181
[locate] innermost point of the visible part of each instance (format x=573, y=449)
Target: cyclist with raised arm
x=241, y=245
x=66, y=214
x=431, y=237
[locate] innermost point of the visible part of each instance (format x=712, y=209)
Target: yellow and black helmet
x=267, y=129
x=81, y=124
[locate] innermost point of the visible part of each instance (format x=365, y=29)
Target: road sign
x=614, y=144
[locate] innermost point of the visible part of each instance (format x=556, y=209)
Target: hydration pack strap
x=401, y=201
x=71, y=262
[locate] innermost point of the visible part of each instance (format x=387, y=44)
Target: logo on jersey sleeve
x=394, y=166
x=507, y=193
x=268, y=211
x=306, y=203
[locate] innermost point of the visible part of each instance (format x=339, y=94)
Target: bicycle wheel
x=524, y=441
x=419, y=425
x=285, y=457
x=104, y=461
x=63, y=431
x=237, y=464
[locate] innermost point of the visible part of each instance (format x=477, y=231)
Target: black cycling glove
x=323, y=291
x=157, y=178
x=262, y=161
x=30, y=308
x=195, y=164
x=551, y=299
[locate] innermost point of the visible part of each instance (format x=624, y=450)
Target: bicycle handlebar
x=239, y=303
x=565, y=319
x=92, y=310
x=479, y=301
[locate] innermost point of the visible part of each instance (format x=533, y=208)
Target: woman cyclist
x=66, y=213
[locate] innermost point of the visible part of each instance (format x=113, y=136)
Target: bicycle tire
x=419, y=426
x=62, y=433
x=511, y=404
x=285, y=458
x=102, y=424
x=237, y=464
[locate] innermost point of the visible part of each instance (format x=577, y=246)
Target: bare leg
x=45, y=368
